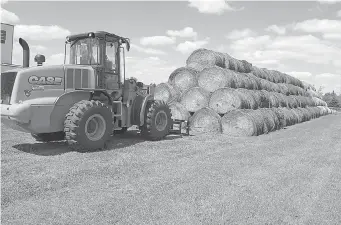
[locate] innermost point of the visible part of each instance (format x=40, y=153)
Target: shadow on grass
x=117, y=141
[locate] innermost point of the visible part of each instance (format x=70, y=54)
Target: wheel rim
x=95, y=127
x=161, y=121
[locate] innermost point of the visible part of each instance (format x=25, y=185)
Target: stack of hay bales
x=218, y=93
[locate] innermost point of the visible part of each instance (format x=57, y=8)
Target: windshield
x=84, y=51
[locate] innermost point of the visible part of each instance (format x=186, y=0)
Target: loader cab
x=104, y=52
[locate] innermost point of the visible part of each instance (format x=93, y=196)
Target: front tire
x=158, y=120
x=89, y=123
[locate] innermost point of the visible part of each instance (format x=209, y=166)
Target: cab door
x=111, y=64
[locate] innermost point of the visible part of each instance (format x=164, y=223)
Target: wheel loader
x=84, y=101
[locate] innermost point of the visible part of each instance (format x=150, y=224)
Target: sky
x=302, y=39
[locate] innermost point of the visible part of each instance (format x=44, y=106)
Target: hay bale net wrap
x=195, y=99
x=239, y=123
x=213, y=78
x=203, y=58
x=224, y=100
x=183, y=79
x=166, y=92
x=205, y=120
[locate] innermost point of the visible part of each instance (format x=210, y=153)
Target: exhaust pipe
x=26, y=52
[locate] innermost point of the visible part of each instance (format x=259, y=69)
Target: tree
x=334, y=102
x=327, y=97
x=320, y=91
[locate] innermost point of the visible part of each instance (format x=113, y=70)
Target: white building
x=7, y=31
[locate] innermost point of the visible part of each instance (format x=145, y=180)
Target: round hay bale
x=265, y=99
x=205, y=120
x=233, y=64
x=303, y=116
x=283, y=88
x=274, y=101
x=296, y=116
x=240, y=80
x=310, y=101
x=247, y=97
x=289, y=117
x=231, y=77
x=238, y=123
x=323, y=110
x=213, y=78
x=166, y=92
x=268, y=75
x=275, y=118
x=258, y=119
x=182, y=79
x=252, y=83
x=179, y=111
x=312, y=93
x=318, y=102
x=292, y=89
x=298, y=101
x=247, y=66
x=269, y=120
x=293, y=102
x=258, y=98
x=282, y=122
x=316, y=112
x=282, y=99
x=255, y=81
x=224, y=100
x=203, y=58
x=247, y=82
x=281, y=78
x=195, y=99
x=266, y=85
x=310, y=113
x=258, y=72
x=276, y=88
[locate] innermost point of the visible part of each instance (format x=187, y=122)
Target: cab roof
x=99, y=34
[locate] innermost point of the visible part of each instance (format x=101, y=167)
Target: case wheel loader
x=84, y=101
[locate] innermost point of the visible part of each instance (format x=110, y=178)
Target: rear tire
x=49, y=137
x=89, y=123
x=158, y=120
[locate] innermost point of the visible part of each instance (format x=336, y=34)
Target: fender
x=62, y=106
x=143, y=108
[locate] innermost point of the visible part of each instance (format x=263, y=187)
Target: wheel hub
x=95, y=127
x=161, y=121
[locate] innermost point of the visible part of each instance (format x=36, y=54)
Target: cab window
x=111, y=56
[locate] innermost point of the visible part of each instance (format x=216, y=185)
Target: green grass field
x=291, y=176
